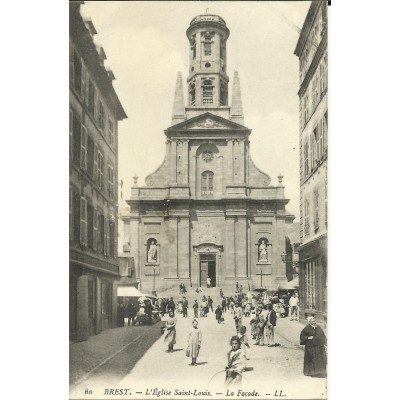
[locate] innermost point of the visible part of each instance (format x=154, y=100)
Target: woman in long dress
x=194, y=342
x=314, y=339
x=170, y=331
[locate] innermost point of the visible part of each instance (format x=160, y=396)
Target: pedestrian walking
x=218, y=314
x=223, y=303
x=171, y=305
x=131, y=312
x=294, y=307
x=271, y=323
x=247, y=309
x=196, y=309
x=121, y=314
x=244, y=342
x=148, y=309
x=314, y=340
x=170, y=331
x=236, y=363
x=210, y=303
x=185, y=306
x=237, y=316
x=237, y=287
x=221, y=293
x=194, y=342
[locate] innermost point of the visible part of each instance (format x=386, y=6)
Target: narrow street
x=143, y=369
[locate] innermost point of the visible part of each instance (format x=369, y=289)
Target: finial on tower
x=178, y=111
x=135, y=179
x=236, y=105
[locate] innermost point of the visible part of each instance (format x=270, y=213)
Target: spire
x=178, y=112
x=236, y=105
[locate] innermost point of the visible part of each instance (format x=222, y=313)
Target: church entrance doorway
x=208, y=269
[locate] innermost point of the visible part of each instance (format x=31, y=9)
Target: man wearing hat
x=185, y=306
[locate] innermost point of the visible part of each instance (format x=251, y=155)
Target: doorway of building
x=208, y=269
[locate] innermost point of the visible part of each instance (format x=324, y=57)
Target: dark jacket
x=272, y=318
x=218, y=313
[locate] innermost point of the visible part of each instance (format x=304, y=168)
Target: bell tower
x=207, y=80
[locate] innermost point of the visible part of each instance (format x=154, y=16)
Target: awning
x=128, y=291
x=293, y=284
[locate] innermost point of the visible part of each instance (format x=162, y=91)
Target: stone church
x=208, y=211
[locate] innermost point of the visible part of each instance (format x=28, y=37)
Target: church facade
x=208, y=211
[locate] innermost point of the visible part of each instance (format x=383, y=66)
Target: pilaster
x=82, y=318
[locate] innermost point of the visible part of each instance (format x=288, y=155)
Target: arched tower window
x=193, y=46
x=207, y=182
x=223, y=95
x=192, y=93
x=207, y=91
x=207, y=43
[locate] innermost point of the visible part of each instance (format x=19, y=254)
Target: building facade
x=313, y=99
x=207, y=211
x=94, y=112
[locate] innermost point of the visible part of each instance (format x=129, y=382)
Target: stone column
x=173, y=161
x=82, y=318
x=173, y=264
x=185, y=162
x=135, y=244
x=183, y=247
x=240, y=161
x=229, y=163
x=230, y=247
x=241, y=247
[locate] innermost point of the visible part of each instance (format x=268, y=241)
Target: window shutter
x=96, y=110
x=71, y=134
x=95, y=164
x=71, y=64
x=87, y=88
x=83, y=147
x=83, y=79
x=95, y=229
x=76, y=211
x=105, y=247
x=77, y=140
x=71, y=213
x=83, y=221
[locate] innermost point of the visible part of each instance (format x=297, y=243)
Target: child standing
x=194, y=342
x=244, y=343
x=236, y=363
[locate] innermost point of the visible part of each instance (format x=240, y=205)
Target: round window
x=207, y=65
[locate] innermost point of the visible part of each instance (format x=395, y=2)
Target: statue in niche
x=263, y=252
x=152, y=253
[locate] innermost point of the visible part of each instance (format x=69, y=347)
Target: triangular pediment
x=207, y=121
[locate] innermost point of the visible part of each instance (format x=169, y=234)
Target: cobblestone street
x=272, y=371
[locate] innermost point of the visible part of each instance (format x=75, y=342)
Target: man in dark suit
x=171, y=305
x=271, y=323
x=185, y=306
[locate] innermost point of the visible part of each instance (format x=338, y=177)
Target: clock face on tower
x=207, y=155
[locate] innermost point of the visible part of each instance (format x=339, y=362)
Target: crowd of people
x=262, y=311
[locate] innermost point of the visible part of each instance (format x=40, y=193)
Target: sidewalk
x=86, y=357
x=290, y=330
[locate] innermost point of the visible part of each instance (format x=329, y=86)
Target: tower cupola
x=207, y=81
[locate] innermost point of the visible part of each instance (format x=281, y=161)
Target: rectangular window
x=207, y=49
x=95, y=164
x=83, y=221
x=111, y=134
x=90, y=215
x=100, y=242
x=90, y=156
x=77, y=73
x=71, y=213
x=312, y=151
x=316, y=210
x=306, y=165
x=310, y=285
x=110, y=181
x=101, y=115
x=76, y=139
x=83, y=81
x=83, y=147
x=112, y=239
x=71, y=64
x=306, y=218
x=100, y=166
x=306, y=109
x=207, y=94
x=95, y=229
x=91, y=97
x=106, y=238
x=76, y=216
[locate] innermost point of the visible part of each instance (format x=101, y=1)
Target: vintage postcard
x=198, y=206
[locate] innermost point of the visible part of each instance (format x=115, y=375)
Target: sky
x=146, y=45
